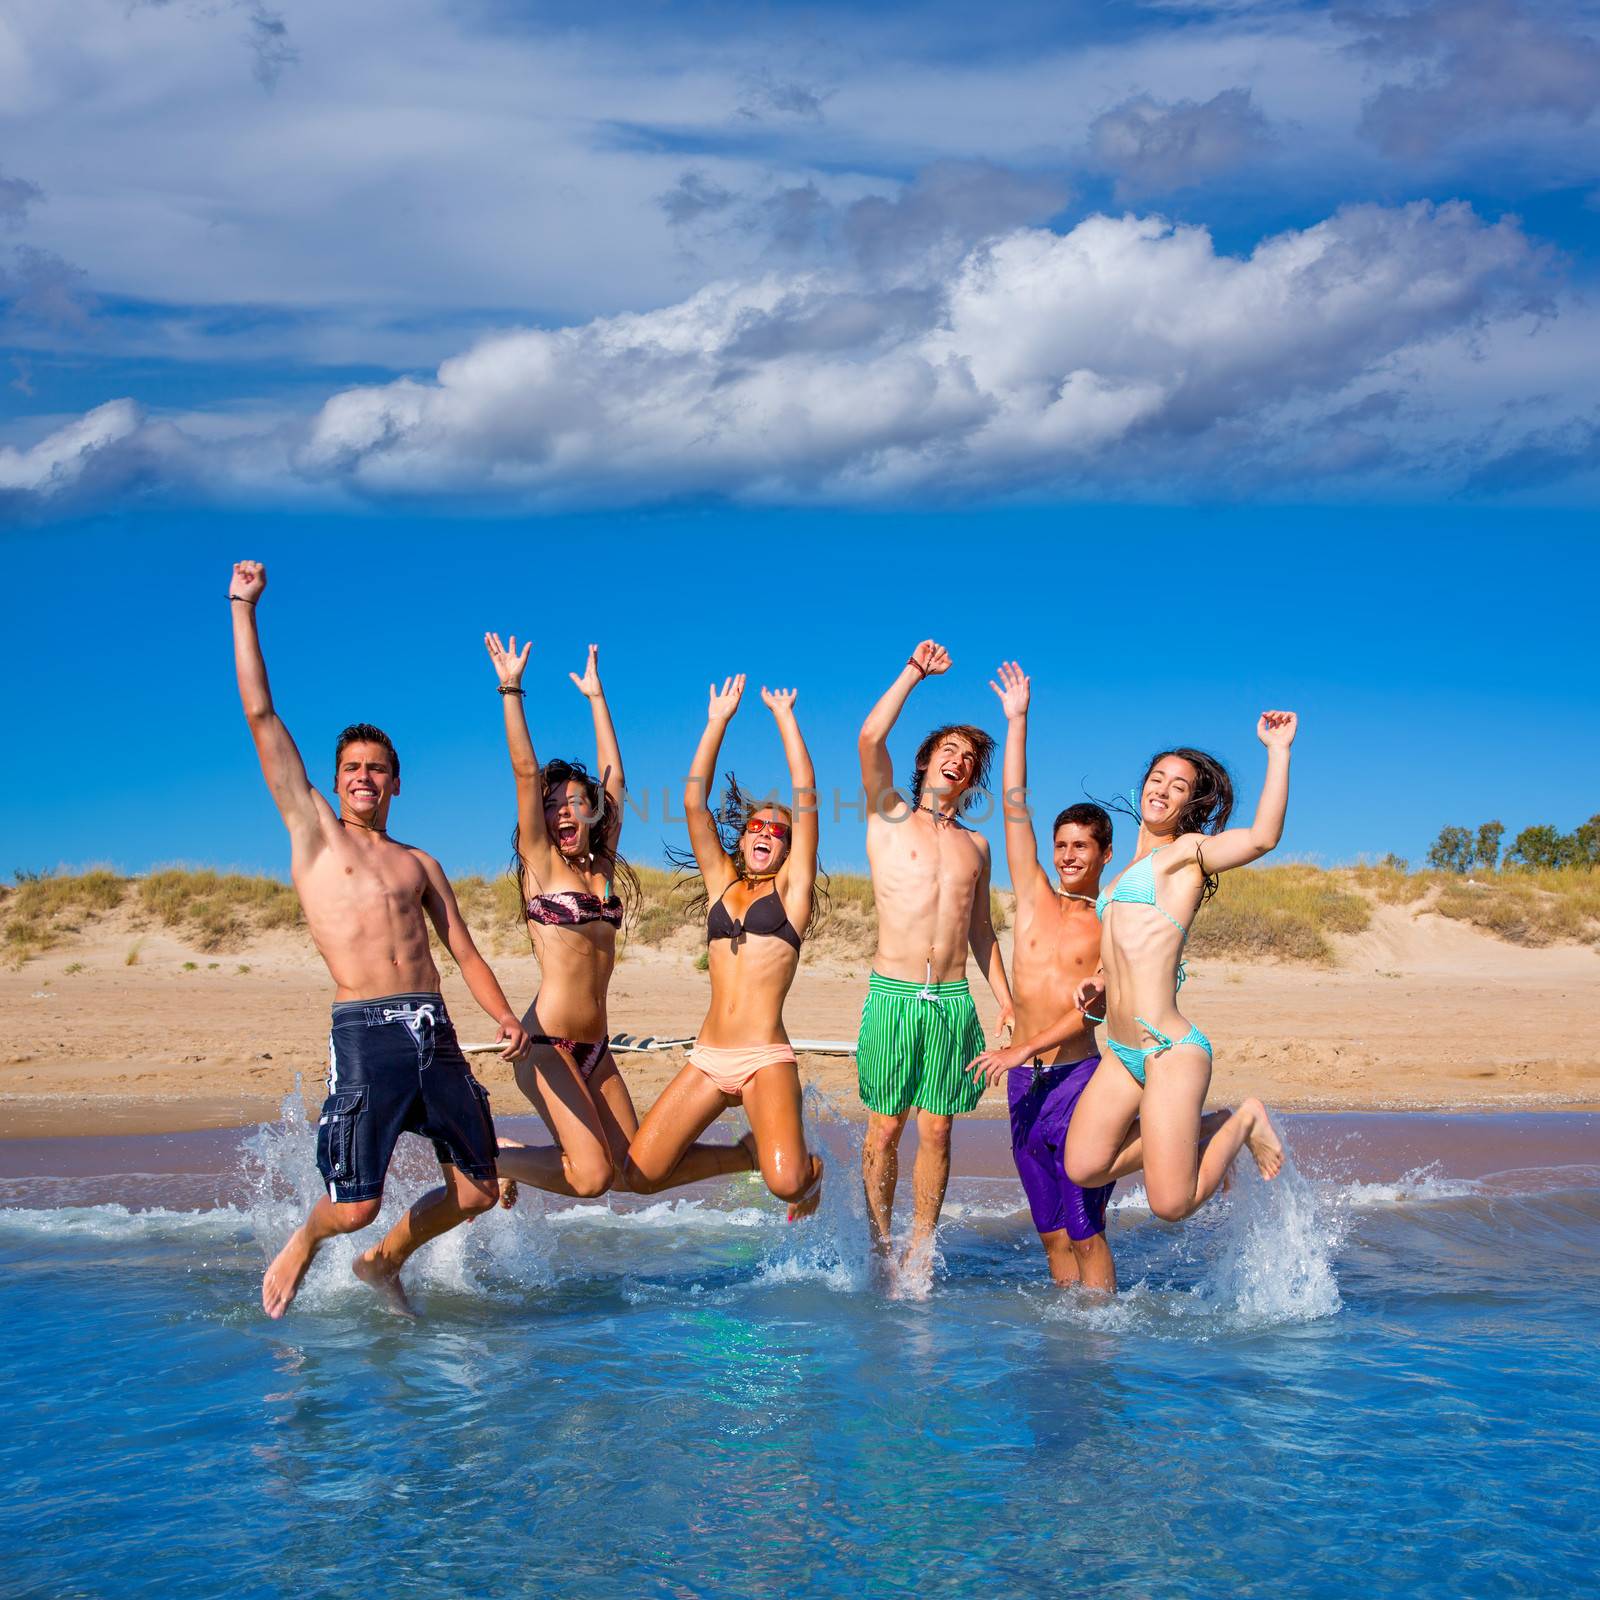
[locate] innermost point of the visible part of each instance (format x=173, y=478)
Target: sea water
x=1335, y=1384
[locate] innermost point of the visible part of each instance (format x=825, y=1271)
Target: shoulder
x=980, y=844
x=430, y=866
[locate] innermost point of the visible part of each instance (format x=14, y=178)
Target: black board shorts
x=395, y=1066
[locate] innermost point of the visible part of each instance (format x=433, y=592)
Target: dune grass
x=1283, y=912
x=40, y=912
x=1561, y=906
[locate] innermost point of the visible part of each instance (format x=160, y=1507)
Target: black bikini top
x=765, y=917
x=571, y=908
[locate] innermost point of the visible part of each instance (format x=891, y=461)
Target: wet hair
x=365, y=733
x=982, y=753
x=605, y=827
x=1205, y=811
x=1086, y=814
x=730, y=817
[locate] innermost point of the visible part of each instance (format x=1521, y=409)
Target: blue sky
x=1199, y=356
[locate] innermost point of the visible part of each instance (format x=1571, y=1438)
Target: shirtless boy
x=394, y=1065
x=919, y=1027
x=1054, y=959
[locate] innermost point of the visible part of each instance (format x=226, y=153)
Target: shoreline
x=69, y=1117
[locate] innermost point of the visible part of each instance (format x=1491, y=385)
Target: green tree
x=1486, y=853
x=1542, y=848
x=1587, y=842
x=1451, y=851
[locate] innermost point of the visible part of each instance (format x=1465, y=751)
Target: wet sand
x=205, y=1167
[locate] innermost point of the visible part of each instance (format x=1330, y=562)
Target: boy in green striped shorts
x=919, y=1027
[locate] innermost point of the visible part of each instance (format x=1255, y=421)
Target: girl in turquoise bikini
x=1143, y=1106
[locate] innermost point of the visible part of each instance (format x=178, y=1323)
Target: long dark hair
x=729, y=817
x=1207, y=809
x=605, y=827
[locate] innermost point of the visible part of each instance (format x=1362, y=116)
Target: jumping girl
x=1143, y=1104
x=760, y=881
x=567, y=869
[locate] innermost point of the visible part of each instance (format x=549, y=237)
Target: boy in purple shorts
x=1054, y=963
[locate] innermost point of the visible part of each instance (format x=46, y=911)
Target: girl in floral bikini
x=567, y=868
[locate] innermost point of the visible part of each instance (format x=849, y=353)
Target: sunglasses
x=778, y=830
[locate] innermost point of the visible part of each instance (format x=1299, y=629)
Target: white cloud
x=1042, y=358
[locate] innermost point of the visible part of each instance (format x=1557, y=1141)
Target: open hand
x=1012, y=688
x=993, y=1065
x=589, y=683
x=724, y=705
x=248, y=581
x=779, y=700
x=508, y=661
x=930, y=659
x=1276, y=729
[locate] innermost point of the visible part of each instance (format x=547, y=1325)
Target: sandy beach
x=1417, y=1012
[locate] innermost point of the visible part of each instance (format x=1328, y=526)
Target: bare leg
x=459, y=1200
x=327, y=1220
x=880, y=1172
x=791, y=1172
x=579, y=1163
x=665, y=1152
x=930, y=1176
x=1130, y=1158
x=1180, y=1176
x=1103, y=1123
x=1096, y=1270
x=1058, y=1252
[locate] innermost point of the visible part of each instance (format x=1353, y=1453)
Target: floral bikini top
x=571, y=908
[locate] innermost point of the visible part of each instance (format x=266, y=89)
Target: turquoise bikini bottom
x=1133, y=1058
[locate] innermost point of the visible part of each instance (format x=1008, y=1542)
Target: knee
x=789, y=1184
x=934, y=1135
x=350, y=1216
x=479, y=1197
x=1168, y=1208
x=635, y=1180
x=882, y=1137
x=591, y=1179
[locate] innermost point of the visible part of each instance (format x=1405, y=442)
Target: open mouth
x=761, y=853
x=567, y=836
x=363, y=794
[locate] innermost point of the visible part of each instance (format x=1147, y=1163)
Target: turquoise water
x=1349, y=1381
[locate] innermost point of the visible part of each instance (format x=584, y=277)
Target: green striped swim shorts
x=915, y=1042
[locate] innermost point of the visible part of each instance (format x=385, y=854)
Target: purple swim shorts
x=1042, y=1103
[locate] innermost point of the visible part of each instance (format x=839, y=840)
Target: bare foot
x=508, y=1192
x=283, y=1278
x=914, y=1279
x=385, y=1279
x=1263, y=1141
x=807, y=1204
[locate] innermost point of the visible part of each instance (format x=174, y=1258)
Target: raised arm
x=303, y=810
x=928, y=660
x=533, y=841
x=439, y=901
x=803, y=778
x=607, y=752
x=1022, y=844
x=1238, y=847
x=985, y=944
x=708, y=854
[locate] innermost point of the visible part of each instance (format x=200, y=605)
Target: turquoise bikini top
x=1137, y=887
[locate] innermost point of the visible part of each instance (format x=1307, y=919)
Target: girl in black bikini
x=566, y=866
x=761, y=884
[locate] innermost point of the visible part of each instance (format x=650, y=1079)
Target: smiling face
x=1080, y=858
x=567, y=818
x=364, y=780
x=1168, y=788
x=764, y=845
x=952, y=765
